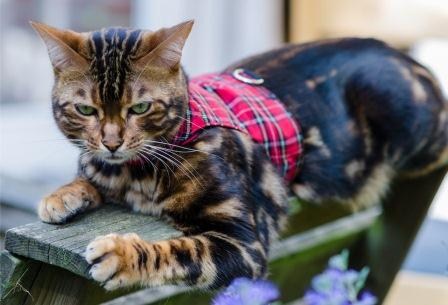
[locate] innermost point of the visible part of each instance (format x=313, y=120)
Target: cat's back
x=317, y=76
x=358, y=101
x=327, y=79
x=314, y=79
x=313, y=59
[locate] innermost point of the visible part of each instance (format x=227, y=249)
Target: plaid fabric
x=220, y=100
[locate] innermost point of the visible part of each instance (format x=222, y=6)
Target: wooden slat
x=342, y=227
x=63, y=245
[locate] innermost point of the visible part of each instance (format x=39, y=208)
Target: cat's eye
x=85, y=109
x=140, y=108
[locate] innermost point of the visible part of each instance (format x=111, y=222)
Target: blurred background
x=35, y=159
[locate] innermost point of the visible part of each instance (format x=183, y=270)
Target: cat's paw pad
x=110, y=258
x=60, y=206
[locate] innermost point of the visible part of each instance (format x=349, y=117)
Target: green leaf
x=362, y=278
x=339, y=261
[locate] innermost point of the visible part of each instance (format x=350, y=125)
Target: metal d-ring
x=253, y=79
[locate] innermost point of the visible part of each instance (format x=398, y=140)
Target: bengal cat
x=365, y=111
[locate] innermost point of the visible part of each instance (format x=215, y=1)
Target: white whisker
x=172, y=154
x=142, y=155
x=180, y=165
x=189, y=121
x=186, y=149
x=163, y=162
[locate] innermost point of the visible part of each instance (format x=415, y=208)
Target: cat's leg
x=68, y=201
x=229, y=215
x=207, y=260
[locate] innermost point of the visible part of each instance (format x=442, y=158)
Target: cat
x=362, y=113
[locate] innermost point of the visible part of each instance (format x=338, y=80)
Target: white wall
x=224, y=30
x=433, y=53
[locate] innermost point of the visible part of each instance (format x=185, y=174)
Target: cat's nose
x=111, y=136
x=112, y=146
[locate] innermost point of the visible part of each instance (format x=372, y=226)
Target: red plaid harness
x=220, y=100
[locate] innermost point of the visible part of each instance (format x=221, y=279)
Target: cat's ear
x=63, y=47
x=164, y=47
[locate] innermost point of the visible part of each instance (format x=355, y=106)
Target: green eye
x=140, y=108
x=85, y=110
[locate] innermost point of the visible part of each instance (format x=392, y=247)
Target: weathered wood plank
x=339, y=228
x=56, y=287
x=25, y=281
x=63, y=245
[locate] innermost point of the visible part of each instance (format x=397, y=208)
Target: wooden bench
x=43, y=263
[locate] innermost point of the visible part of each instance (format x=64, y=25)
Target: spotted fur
x=367, y=111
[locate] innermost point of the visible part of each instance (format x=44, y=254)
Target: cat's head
x=117, y=89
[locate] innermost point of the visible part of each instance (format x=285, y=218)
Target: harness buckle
x=247, y=77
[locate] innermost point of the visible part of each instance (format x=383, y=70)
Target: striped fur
x=221, y=190
x=111, y=52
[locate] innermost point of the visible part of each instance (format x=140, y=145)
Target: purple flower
x=337, y=297
x=366, y=299
x=338, y=285
x=243, y=291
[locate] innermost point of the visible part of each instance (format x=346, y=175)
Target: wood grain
x=63, y=245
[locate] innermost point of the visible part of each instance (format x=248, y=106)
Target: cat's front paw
x=111, y=258
x=68, y=201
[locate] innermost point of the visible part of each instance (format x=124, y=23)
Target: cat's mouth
x=115, y=158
